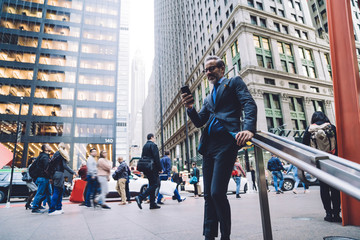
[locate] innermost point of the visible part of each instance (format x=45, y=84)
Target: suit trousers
x=154, y=183
x=218, y=163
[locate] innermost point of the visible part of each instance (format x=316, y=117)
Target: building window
x=294, y=17
x=305, y=36
x=263, y=22
x=273, y=111
x=293, y=85
x=323, y=15
x=259, y=6
x=282, y=13
x=318, y=106
x=251, y=3
x=314, y=89
x=297, y=113
x=301, y=19
x=313, y=7
x=269, y=81
x=273, y=10
x=298, y=6
x=291, y=3
x=253, y=20
x=307, y=62
x=328, y=64
x=235, y=56
x=297, y=33
x=277, y=26
x=285, y=29
x=263, y=52
x=286, y=57
x=320, y=2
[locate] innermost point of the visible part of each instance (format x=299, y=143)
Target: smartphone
x=186, y=89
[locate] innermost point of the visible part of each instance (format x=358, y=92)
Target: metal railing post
x=263, y=197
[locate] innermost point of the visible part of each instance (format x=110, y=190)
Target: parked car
x=19, y=188
x=289, y=180
x=137, y=185
x=231, y=188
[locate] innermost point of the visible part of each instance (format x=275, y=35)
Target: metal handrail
x=337, y=172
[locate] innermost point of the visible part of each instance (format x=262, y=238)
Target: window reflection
x=35, y=1
x=96, y=96
x=60, y=45
x=58, y=60
x=14, y=56
x=97, y=79
x=19, y=40
x=98, y=64
x=98, y=49
x=96, y=35
x=14, y=90
x=63, y=16
x=23, y=26
x=98, y=7
x=18, y=73
x=57, y=93
x=101, y=21
x=13, y=108
x=81, y=152
x=91, y=130
x=9, y=128
x=62, y=30
x=56, y=76
x=94, y=113
x=75, y=4
x=50, y=129
x=53, y=110
x=22, y=10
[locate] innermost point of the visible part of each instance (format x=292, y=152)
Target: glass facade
x=61, y=56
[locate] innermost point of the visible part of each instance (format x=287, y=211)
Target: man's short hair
x=167, y=152
x=149, y=136
x=43, y=147
x=219, y=61
x=92, y=149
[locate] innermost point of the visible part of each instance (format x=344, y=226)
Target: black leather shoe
x=209, y=238
x=238, y=196
x=161, y=203
x=328, y=217
x=155, y=207
x=138, y=201
x=336, y=218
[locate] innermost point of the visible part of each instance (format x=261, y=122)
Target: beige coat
x=104, y=167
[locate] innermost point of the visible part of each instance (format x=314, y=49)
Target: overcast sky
x=142, y=32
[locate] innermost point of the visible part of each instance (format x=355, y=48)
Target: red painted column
x=346, y=82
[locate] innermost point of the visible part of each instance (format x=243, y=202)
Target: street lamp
x=178, y=156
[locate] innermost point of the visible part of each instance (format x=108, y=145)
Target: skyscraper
x=61, y=56
x=137, y=98
x=271, y=44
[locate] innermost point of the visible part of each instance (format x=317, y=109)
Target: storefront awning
x=5, y=156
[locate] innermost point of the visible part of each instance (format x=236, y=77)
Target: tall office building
x=122, y=110
x=148, y=110
x=61, y=56
x=137, y=98
x=271, y=44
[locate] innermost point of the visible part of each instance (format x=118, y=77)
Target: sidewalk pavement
x=296, y=217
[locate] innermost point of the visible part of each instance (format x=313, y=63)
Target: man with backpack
x=121, y=175
x=275, y=166
x=42, y=179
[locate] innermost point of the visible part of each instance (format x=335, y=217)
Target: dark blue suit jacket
x=232, y=98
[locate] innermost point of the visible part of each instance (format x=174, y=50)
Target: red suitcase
x=77, y=194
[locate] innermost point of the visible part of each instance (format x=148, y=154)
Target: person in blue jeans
x=59, y=163
x=166, y=175
x=42, y=180
x=91, y=178
x=275, y=166
x=297, y=179
x=237, y=177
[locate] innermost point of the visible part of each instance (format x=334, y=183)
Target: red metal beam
x=346, y=82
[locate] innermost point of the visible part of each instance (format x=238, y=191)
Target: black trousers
x=330, y=196
x=153, y=184
x=218, y=163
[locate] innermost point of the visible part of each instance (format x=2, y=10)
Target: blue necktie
x=214, y=99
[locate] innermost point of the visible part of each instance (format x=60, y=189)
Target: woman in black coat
x=330, y=196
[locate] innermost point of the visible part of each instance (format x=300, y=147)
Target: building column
x=275, y=54
x=298, y=63
x=285, y=111
x=259, y=100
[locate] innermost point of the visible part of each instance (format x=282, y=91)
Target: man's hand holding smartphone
x=187, y=98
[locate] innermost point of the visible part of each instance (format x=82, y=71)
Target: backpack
x=26, y=177
x=34, y=170
x=323, y=137
x=272, y=166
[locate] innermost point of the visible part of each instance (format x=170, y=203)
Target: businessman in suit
x=220, y=141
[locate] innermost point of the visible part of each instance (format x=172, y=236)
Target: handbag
x=167, y=188
x=145, y=164
x=193, y=180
